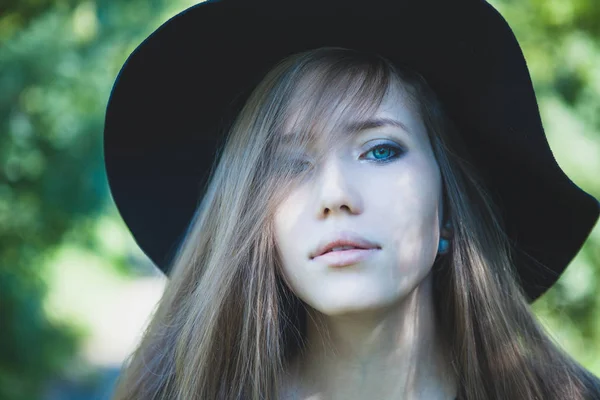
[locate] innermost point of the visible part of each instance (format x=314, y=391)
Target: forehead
x=395, y=110
x=356, y=126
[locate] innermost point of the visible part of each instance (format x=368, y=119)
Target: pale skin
x=378, y=314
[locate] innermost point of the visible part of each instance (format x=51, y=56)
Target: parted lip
x=343, y=238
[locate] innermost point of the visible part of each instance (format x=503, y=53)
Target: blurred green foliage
x=58, y=61
x=561, y=43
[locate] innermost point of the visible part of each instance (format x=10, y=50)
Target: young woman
x=357, y=203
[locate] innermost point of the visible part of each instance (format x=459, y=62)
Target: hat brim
x=176, y=93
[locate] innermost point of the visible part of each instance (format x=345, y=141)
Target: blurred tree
x=561, y=42
x=58, y=60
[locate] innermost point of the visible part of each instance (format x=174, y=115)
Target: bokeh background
x=76, y=292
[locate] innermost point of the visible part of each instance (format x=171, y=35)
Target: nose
x=337, y=191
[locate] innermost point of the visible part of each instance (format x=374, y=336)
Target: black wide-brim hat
x=180, y=88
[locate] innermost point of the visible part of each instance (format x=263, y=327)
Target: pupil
x=381, y=151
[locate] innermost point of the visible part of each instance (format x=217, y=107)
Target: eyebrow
x=357, y=127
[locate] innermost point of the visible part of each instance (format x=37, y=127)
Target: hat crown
x=338, y=7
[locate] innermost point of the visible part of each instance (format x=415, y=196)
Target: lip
x=343, y=238
x=342, y=258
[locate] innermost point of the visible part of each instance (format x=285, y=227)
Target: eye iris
x=381, y=150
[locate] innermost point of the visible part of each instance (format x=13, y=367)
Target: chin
x=352, y=305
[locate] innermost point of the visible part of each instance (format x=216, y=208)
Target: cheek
x=286, y=217
x=288, y=230
x=415, y=213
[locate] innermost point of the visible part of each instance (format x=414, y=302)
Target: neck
x=386, y=353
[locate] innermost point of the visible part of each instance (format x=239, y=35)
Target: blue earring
x=443, y=246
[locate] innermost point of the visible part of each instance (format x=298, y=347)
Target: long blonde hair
x=228, y=325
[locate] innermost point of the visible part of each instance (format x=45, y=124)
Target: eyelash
x=398, y=150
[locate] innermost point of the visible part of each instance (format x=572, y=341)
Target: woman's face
x=382, y=184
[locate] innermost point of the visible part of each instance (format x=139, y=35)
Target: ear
x=447, y=232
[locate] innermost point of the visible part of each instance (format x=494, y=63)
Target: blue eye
x=300, y=165
x=383, y=151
